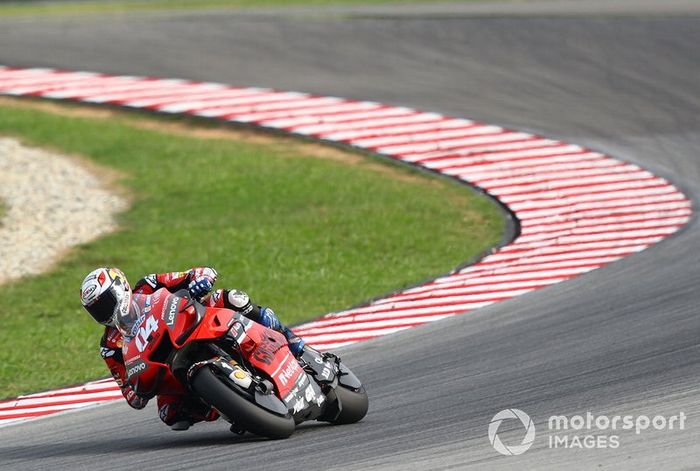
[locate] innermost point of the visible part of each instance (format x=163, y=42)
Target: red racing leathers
x=172, y=409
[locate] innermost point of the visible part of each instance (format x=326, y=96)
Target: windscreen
x=129, y=323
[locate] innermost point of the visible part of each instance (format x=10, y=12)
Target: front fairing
x=150, y=332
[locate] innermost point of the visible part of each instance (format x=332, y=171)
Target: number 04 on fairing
x=241, y=368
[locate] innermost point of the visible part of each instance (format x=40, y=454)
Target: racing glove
x=200, y=287
x=134, y=400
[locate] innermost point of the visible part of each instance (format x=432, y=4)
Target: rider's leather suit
x=172, y=409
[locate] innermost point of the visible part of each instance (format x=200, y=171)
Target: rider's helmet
x=105, y=293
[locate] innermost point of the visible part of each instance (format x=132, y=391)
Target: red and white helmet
x=104, y=293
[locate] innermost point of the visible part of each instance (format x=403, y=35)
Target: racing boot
x=268, y=318
x=181, y=425
x=181, y=413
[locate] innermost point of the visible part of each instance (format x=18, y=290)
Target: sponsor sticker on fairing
x=298, y=386
x=288, y=373
x=170, y=312
x=135, y=370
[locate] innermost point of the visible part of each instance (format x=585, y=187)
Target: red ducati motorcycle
x=244, y=370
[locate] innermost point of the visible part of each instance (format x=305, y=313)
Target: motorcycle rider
x=105, y=293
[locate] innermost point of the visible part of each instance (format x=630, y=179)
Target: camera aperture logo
x=586, y=431
x=511, y=450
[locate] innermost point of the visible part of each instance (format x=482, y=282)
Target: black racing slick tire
x=244, y=413
x=354, y=405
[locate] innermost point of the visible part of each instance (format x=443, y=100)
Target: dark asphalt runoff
x=622, y=340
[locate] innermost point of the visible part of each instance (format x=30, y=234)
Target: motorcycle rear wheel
x=244, y=413
x=354, y=405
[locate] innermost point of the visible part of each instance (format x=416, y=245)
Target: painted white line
x=429, y=136
x=465, y=298
x=583, y=197
x=397, y=130
x=225, y=106
x=364, y=123
x=353, y=324
x=33, y=411
x=477, y=154
x=193, y=97
x=506, y=159
x=488, y=134
x=160, y=94
x=323, y=112
x=32, y=80
x=345, y=336
x=101, y=86
x=25, y=403
x=678, y=217
x=340, y=118
x=544, y=167
x=629, y=203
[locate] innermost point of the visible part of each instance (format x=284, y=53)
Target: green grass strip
x=301, y=233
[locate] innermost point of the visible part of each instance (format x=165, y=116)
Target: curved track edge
x=577, y=209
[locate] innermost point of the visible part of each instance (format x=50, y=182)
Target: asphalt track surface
x=620, y=340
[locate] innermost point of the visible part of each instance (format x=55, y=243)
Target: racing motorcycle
x=174, y=345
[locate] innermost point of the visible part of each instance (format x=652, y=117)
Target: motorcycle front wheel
x=244, y=413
